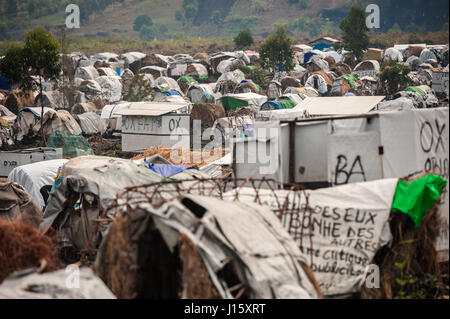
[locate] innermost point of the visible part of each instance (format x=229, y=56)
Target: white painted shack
x=154, y=123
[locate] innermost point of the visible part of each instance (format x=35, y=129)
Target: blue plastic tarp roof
x=4, y=84
x=172, y=92
x=308, y=56
x=166, y=170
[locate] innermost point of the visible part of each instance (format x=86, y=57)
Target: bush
x=142, y=20
x=393, y=76
x=244, y=39
x=147, y=33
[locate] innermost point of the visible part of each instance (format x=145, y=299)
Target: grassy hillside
x=214, y=18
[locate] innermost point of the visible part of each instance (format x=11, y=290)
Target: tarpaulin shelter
x=255, y=252
x=37, y=178
x=201, y=93
x=237, y=101
x=17, y=204
x=29, y=117
x=60, y=120
x=88, y=184
x=89, y=122
x=392, y=54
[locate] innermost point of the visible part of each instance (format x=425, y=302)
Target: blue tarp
x=166, y=170
x=308, y=56
x=172, y=92
x=4, y=84
x=321, y=46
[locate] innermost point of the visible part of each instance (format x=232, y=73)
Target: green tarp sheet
x=230, y=103
x=416, y=89
x=416, y=197
x=351, y=78
x=187, y=79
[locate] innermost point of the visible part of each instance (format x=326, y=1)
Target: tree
x=276, y=51
x=354, y=31
x=4, y=33
x=147, y=33
x=142, y=20
x=393, y=76
x=244, y=39
x=140, y=89
x=38, y=57
x=179, y=16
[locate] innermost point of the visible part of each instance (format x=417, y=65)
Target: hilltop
x=214, y=18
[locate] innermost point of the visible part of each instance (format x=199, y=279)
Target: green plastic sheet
x=187, y=79
x=416, y=89
x=416, y=197
x=230, y=103
x=351, y=78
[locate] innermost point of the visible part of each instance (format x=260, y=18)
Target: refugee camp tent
x=228, y=81
x=7, y=115
x=111, y=87
x=97, y=180
x=51, y=99
x=89, y=122
x=155, y=71
x=86, y=73
x=237, y=101
x=317, y=82
x=426, y=54
x=201, y=93
x=247, y=86
x=392, y=54
x=29, y=117
x=196, y=70
x=60, y=120
x=261, y=254
x=107, y=72
x=131, y=57
x=90, y=88
x=367, y=68
x=81, y=108
x=37, y=178
x=17, y=204
x=335, y=55
x=164, y=83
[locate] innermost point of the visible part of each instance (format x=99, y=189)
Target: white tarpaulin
x=35, y=176
x=349, y=224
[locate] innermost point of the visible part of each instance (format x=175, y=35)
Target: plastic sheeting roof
x=340, y=105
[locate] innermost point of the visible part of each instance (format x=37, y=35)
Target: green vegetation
x=140, y=89
x=142, y=20
x=394, y=76
x=244, y=39
x=354, y=32
x=276, y=51
x=147, y=33
x=39, y=56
